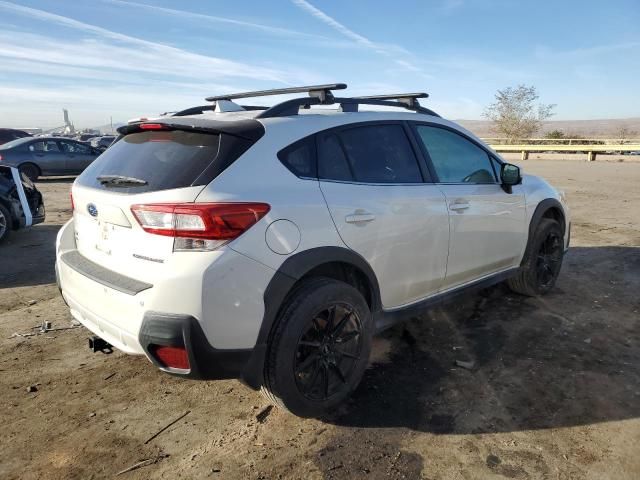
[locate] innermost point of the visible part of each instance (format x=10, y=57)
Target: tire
x=5, y=223
x=30, y=170
x=319, y=347
x=543, y=261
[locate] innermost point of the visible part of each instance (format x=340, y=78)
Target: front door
x=385, y=209
x=487, y=224
x=78, y=155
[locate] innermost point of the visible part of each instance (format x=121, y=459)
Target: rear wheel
x=5, y=223
x=319, y=348
x=542, y=266
x=30, y=170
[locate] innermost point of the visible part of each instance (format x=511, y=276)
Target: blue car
x=37, y=156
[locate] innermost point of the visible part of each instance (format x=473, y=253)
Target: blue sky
x=121, y=58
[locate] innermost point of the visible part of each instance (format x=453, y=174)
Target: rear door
x=487, y=224
x=48, y=155
x=385, y=208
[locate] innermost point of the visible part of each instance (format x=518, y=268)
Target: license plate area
x=105, y=231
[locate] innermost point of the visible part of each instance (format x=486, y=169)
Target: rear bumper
x=134, y=317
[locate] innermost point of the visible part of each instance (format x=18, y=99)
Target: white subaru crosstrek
x=270, y=244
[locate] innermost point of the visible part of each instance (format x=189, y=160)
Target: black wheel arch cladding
x=290, y=272
x=546, y=205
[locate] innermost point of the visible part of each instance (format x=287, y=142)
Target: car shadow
x=27, y=257
x=500, y=362
x=65, y=179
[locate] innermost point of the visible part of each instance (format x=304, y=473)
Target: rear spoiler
x=247, y=128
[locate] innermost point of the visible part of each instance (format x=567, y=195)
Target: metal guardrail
x=568, y=141
x=591, y=150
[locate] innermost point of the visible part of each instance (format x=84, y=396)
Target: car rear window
x=165, y=159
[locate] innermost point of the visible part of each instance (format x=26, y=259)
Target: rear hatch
x=150, y=163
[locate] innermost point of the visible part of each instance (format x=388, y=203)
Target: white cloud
x=390, y=51
x=99, y=73
x=213, y=19
x=146, y=53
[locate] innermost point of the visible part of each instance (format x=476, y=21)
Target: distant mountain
x=605, y=128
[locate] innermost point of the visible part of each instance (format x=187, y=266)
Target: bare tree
x=624, y=133
x=515, y=114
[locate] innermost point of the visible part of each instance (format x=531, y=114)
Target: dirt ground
x=554, y=393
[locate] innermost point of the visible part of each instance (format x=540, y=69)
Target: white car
x=271, y=244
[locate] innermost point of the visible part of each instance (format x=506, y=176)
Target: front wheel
x=541, y=267
x=319, y=349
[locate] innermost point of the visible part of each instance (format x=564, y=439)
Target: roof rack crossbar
x=319, y=91
x=349, y=104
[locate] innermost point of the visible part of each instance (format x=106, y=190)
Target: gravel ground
x=554, y=391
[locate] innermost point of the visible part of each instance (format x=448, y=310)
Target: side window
x=370, y=154
x=72, y=147
x=456, y=159
x=332, y=162
x=299, y=158
x=381, y=154
x=44, y=146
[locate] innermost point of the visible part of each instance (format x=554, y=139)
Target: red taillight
x=171, y=357
x=153, y=126
x=71, y=198
x=220, y=222
x=0, y=158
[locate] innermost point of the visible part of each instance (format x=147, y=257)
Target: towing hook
x=97, y=344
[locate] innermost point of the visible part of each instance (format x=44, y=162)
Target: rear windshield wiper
x=119, y=180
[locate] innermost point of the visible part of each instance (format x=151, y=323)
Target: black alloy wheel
x=549, y=260
x=328, y=351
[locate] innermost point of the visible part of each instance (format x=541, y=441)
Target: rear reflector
x=171, y=357
x=206, y=226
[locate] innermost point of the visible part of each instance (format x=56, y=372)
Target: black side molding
x=102, y=275
x=387, y=319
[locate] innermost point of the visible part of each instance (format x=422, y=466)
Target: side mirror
x=509, y=176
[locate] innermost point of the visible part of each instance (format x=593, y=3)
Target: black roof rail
x=409, y=103
x=323, y=92
x=410, y=99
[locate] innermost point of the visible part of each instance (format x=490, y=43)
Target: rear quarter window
x=300, y=158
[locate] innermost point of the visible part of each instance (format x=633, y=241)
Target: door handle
x=359, y=217
x=459, y=205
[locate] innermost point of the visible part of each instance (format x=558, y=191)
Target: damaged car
x=21, y=204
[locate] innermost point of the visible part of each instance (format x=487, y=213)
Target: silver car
x=47, y=156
